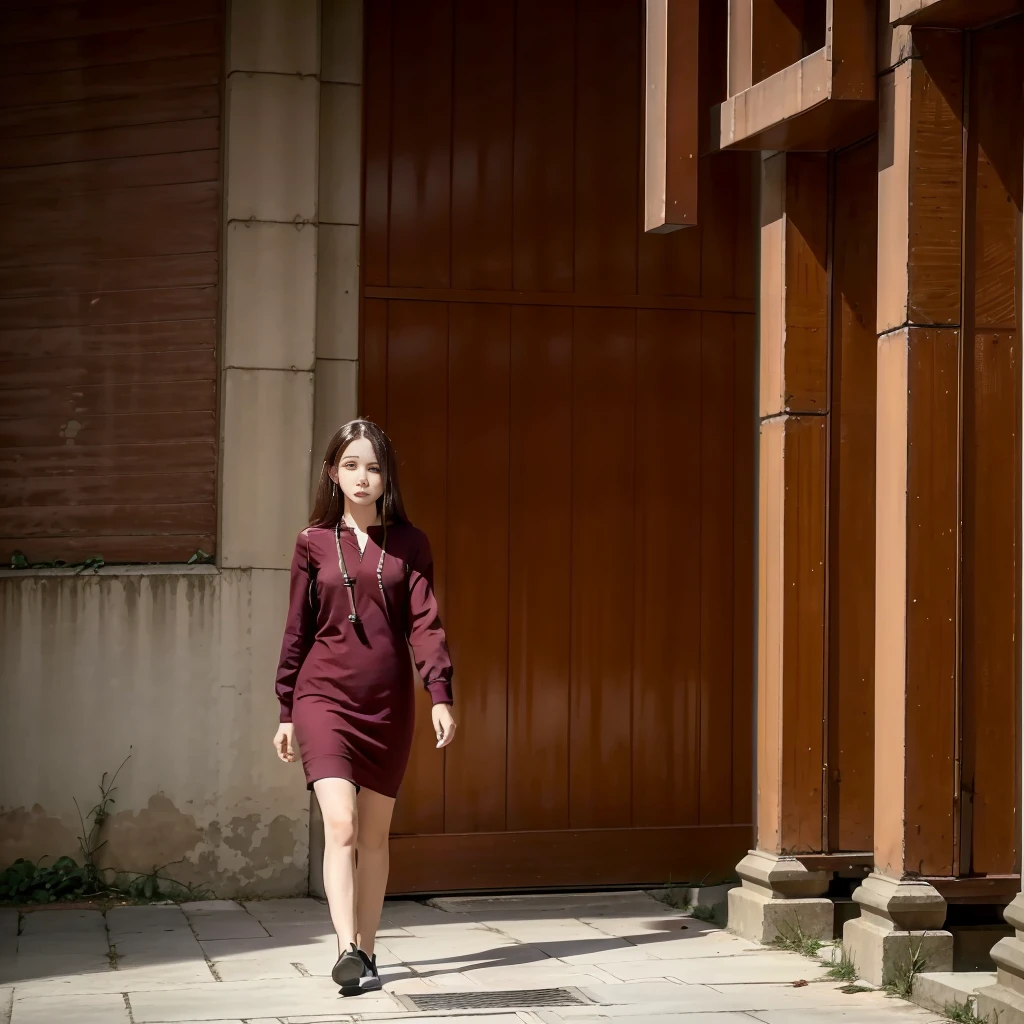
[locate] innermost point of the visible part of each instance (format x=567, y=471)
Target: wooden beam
x=671, y=115
x=821, y=101
x=596, y=857
x=920, y=186
x=990, y=889
x=792, y=503
x=921, y=169
x=740, y=73
x=963, y=14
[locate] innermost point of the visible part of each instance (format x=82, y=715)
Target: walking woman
x=361, y=594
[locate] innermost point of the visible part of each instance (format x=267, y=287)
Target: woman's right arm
x=299, y=629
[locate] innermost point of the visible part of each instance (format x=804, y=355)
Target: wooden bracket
x=670, y=115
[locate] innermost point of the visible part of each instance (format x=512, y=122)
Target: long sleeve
x=426, y=634
x=299, y=629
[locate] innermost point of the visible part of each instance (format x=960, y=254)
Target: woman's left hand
x=444, y=724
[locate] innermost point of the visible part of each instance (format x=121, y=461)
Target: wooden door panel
x=607, y=142
x=603, y=556
x=666, y=661
x=477, y=562
x=544, y=146
x=419, y=248
x=540, y=568
x=417, y=421
x=716, y=560
x=482, y=106
x=577, y=452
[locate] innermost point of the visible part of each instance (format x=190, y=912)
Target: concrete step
x=937, y=990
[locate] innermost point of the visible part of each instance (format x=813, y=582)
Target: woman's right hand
x=284, y=742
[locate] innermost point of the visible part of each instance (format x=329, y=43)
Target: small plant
x=905, y=973
x=850, y=990
x=675, y=896
x=703, y=913
x=26, y=881
x=963, y=1013
x=842, y=969
x=794, y=939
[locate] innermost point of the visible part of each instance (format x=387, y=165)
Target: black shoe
x=348, y=970
x=370, y=980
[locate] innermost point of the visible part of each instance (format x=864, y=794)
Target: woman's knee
x=372, y=842
x=340, y=828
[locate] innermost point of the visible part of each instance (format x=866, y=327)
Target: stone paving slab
x=80, y=1009
x=879, y=1015
x=64, y=922
x=245, y=999
x=222, y=919
x=21, y=969
x=268, y=962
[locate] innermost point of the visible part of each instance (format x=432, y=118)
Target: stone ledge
x=157, y=569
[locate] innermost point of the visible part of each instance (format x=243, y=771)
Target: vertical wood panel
x=716, y=577
x=477, y=577
x=418, y=425
x=991, y=456
x=852, y=504
x=666, y=661
x=376, y=142
x=419, y=251
x=991, y=574
x=482, y=144
x=931, y=613
x=603, y=482
x=606, y=182
x=744, y=566
x=540, y=568
x=727, y=225
x=373, y=365
x=544, y=148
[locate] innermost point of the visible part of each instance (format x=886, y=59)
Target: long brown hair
x=330, y=502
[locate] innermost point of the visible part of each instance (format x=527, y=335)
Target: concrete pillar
x=1004, y=1001
x=920, y=196
x=336, y=347
x=269, y=283
x=272, y=103
x=337, y=300
x=777, y=892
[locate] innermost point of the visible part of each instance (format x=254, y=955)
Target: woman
x=361, y=594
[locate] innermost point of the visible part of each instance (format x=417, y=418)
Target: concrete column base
x=779, y=897
x=1004, y=1001
x=899, y=922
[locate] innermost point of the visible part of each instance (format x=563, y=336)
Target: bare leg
x=372, y=842
x=337, y=798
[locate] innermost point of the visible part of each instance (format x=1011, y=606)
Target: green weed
x=963, y=1013
x=842, y=969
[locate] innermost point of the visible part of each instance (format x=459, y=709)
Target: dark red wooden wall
x=573, y=406
x=110, y=119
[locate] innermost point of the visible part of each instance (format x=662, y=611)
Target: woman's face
x=358, y=473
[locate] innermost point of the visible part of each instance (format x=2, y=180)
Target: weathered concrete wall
x=175, y=665
x=178, y=663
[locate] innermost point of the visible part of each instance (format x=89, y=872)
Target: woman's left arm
x=427, y=639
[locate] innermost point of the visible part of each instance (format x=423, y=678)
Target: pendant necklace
x=349, y=582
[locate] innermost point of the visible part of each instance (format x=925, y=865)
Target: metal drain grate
x=496, y=1000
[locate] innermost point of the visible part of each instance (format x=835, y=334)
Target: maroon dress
x=348, y=687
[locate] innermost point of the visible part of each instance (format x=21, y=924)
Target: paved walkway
x=623, y=956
